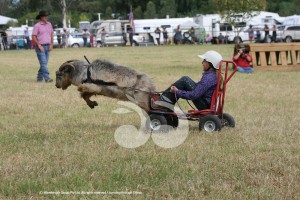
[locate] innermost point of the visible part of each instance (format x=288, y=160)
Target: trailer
x=144, y=28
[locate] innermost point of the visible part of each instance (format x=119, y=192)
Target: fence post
x=275, y=54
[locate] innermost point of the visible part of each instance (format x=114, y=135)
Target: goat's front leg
x=86, y=96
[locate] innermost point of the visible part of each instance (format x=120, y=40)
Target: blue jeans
x=84, y=41
x=43, y=57
x=187, y=84
x=245, y=69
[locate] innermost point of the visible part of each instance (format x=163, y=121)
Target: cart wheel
x=210, y=123
x=227, y=120
x=156, y=123
x=172, y=121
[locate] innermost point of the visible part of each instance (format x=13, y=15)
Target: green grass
x=50, y=140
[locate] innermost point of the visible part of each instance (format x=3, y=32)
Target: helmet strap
x=210, y=66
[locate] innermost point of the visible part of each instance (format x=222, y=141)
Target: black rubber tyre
x=186, y=35
x=237, y=40
x=156, y=123
x=99, y=44
x=75, y=45
x=227, y=120
x=210, y=123
x=288, y=39
x=136, y=44
x=172, y=120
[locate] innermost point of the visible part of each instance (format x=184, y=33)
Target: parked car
x=291, y=33
x=111, y=39
x=244, y=35
x=142, y=39
x=75, y=40
x=117, y=39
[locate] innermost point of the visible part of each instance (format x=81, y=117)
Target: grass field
x=51, y=141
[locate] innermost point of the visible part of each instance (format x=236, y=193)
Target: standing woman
x=274, y=33
x=103, y=34
x=42, y=36
x=65, y=37
x=250, y=33
x=85, y=35
x=165, y=35
x=178, y=35
x=267, y=32
x=58, y=35
x=157, y=33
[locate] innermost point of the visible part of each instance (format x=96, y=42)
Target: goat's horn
x=66, y=65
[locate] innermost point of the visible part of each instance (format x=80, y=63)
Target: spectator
x=27, y=37
x=4, y=40
x=124, y=37
x=208, y=38
x=242, y=58
x=267, y=33
x=85, y=35
x=192, y=34
x=91, y=40
x=165, y=35
x=42, y=36
x=157, y=35
x=131, y=37
x=103, y=34
x=258, y=36
x=200, y=93
x=178, y=35
x=220, y=39
x=250, y=33
x=274, y=33
x=58, y=35
x=65, y=36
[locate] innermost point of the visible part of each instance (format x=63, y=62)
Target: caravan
x=148, y=26
x=16, y=36
x=143, y=30
x=216, y=24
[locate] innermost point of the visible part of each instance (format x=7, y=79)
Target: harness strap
x=103, y=83
x=98, y=82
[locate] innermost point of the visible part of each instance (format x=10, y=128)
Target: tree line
x=87, y=10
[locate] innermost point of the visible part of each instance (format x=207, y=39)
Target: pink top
x=43, y=32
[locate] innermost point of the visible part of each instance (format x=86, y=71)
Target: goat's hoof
x=93, y=104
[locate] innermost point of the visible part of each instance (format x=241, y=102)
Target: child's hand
x=173, y=89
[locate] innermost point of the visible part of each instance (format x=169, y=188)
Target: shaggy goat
x=105, y=78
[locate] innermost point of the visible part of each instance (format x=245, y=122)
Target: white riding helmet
x=213, y=57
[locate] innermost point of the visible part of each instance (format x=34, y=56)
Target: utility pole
x=99, y=16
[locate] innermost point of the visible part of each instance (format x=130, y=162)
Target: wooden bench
x=275, y=54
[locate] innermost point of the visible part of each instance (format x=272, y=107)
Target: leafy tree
x=77, y=10
x=5, y=7
x=10, y=23
x=237, y=12
x=138, y=13
x=108, y=13
x=285, y=8
x=168, y=7
x=232, y=9
x=296, y=9
x=150, y=12
x=64, y=5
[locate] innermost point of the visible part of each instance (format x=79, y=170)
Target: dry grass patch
x=51, y=140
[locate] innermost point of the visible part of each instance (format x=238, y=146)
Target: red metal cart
x=212, y=119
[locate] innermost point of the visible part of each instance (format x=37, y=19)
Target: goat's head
x=63, y=75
